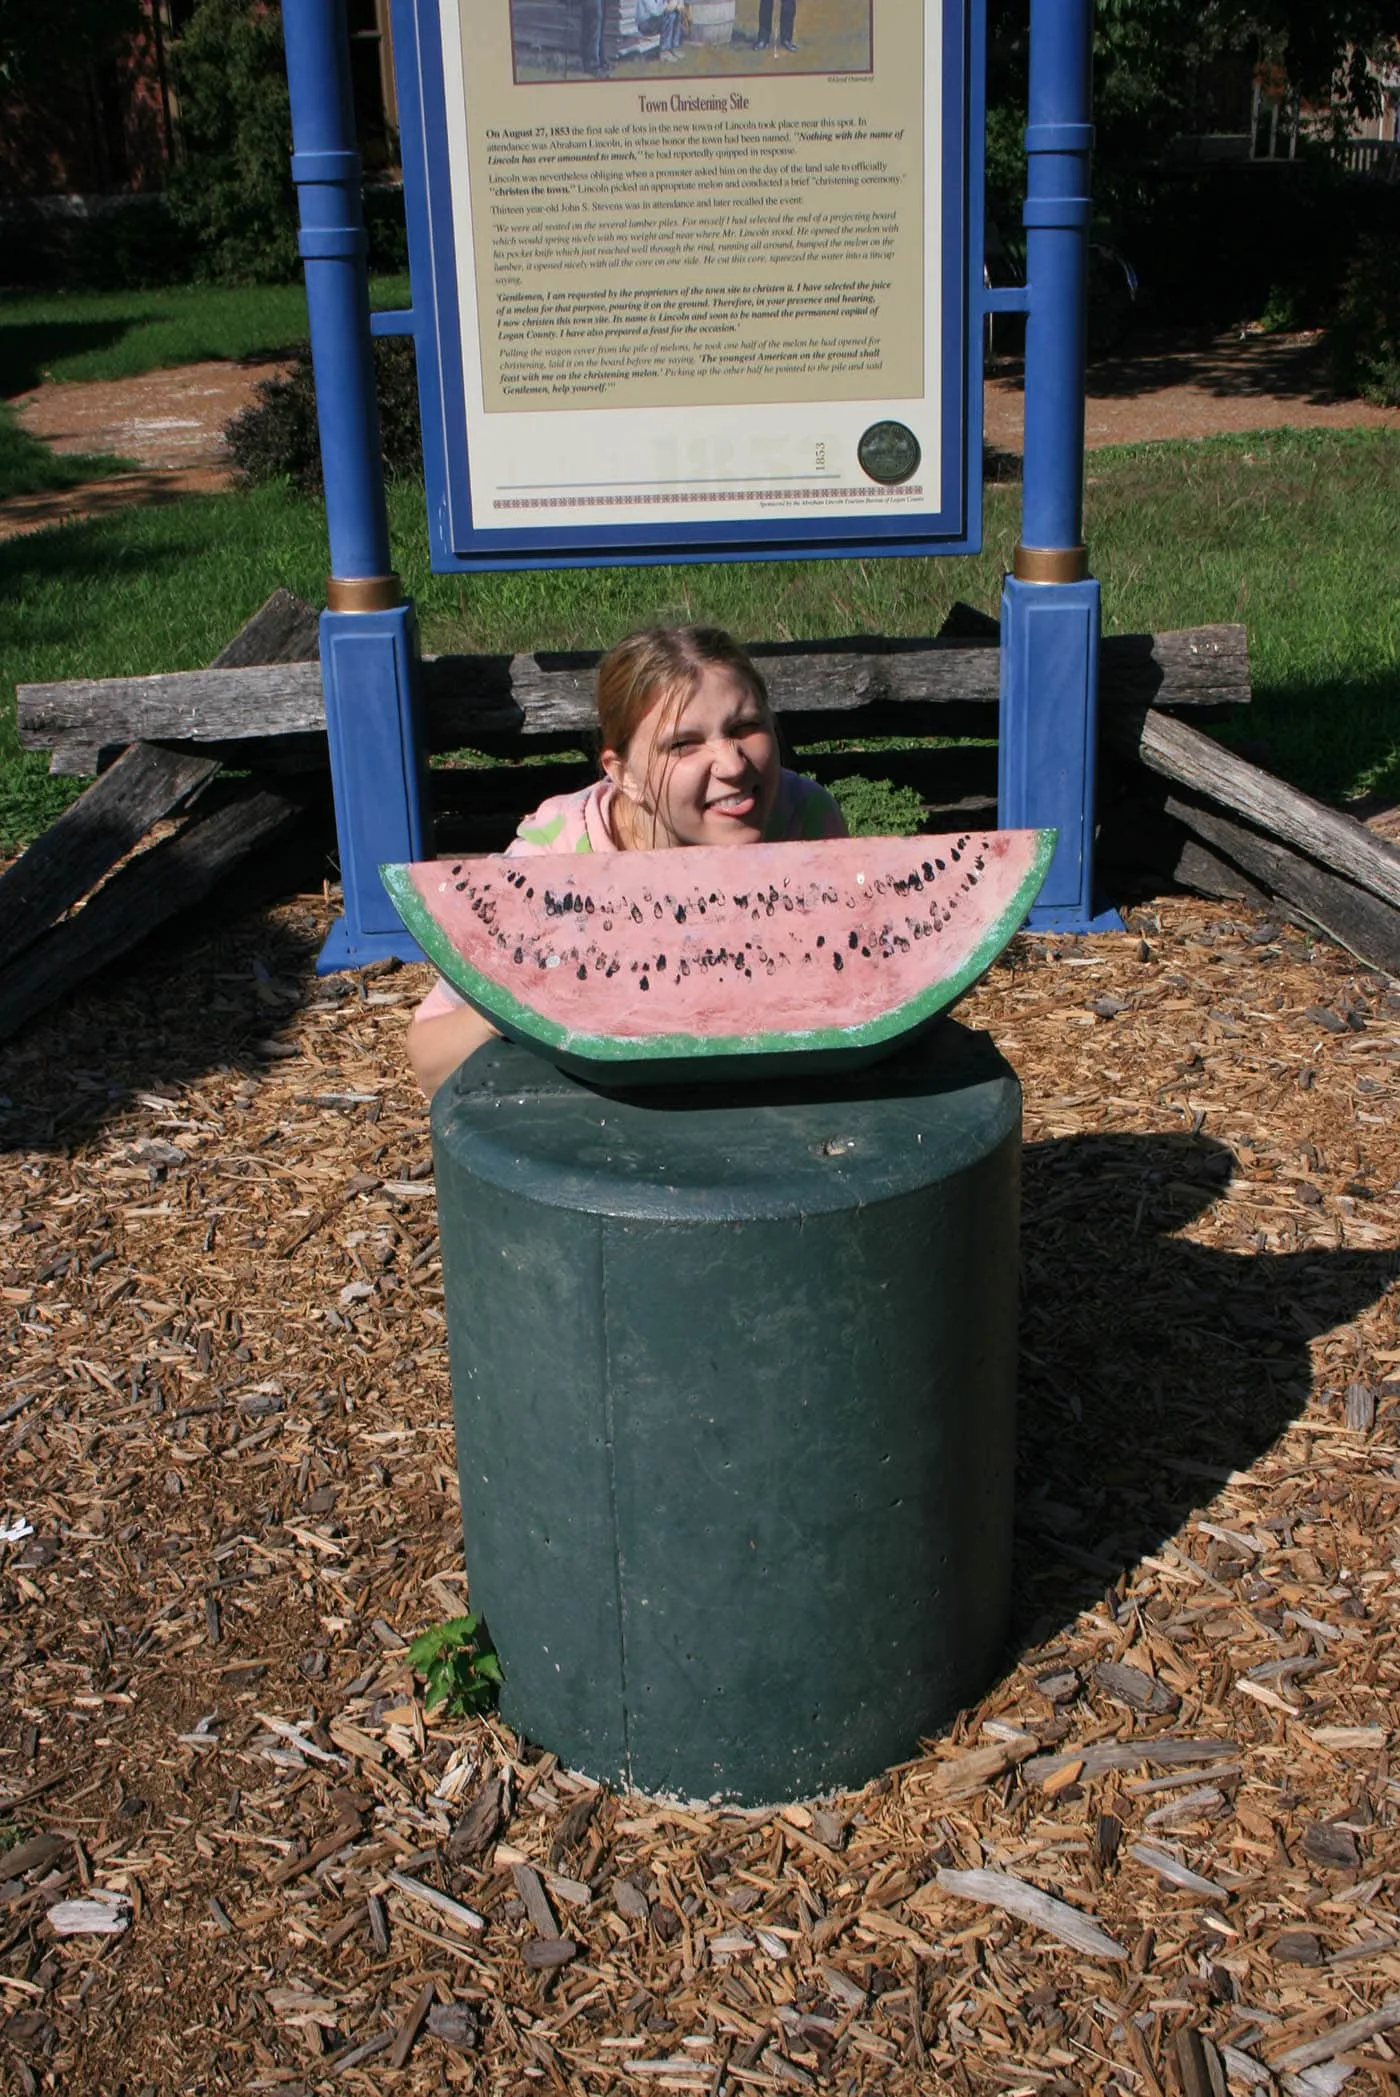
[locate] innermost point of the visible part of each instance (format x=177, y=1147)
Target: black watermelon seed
x=457, y=869
x=821, y=939
x=660, y=963
x=519, y=954
x=582, y=973
x=954, y=854
x=636, y=914
x=866, y=952
x=942, y=865
x=928, y=870
x=529, y=895
x=853, y=940
x=645, y=984
x=839, y=964
x=680, y=913
x=460, y=886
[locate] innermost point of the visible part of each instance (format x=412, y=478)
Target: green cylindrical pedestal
x=733, y=1378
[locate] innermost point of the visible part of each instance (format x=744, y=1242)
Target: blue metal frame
x=435, y=324
x=369, y=657
x=1048, y=731
x=1050, y=628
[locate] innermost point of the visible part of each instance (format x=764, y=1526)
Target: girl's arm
x=436, y=1046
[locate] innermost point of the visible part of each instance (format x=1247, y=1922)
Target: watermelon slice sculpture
x=647, y=967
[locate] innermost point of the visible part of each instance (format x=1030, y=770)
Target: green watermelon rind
x=520, y=1021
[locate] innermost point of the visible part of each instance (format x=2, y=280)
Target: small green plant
x=877, y=808
x=458, y=1663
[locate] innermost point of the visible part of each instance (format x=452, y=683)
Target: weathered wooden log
x=1198, y=868
x=470, y=698
x=142, y=895
x=147, y=783
x=1357, y=919
x=1188, y=758
x=283, y=630
x=45, y=958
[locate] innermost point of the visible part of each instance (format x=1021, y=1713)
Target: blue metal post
x=1050, y=603
x=369, y=641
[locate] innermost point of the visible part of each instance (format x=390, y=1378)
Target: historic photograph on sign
x=701, y=301
x=553, y=40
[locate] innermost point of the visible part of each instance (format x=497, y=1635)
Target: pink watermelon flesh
x=650, y=965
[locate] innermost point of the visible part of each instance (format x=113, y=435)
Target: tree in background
x=1148, y=56
x=232, y=191
x=1154, y=63
x=38, y=41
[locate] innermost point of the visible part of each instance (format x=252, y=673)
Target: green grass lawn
x=121, y=334
x=1292, y=533
x=28, y=467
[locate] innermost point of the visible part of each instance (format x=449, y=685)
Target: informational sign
x=692, y=282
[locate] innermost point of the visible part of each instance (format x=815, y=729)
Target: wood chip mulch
x=1161, y=1855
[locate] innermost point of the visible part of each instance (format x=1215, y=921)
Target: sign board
x=706, y=302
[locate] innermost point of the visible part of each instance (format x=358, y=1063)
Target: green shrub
x=1364, y=339
x=1280, y=314
x=877, y=808
x=76, y=244
x=276, y=438
x=232, y=196
x=232, y=192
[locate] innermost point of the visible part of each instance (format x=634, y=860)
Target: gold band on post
x=1050, y=564
x=363, y=593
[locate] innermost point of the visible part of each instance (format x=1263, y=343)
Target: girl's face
x=706, y=775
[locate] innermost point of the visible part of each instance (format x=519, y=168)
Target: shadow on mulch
x=1151, y=1365
x=205, y=994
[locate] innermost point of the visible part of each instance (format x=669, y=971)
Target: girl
x=689, y=757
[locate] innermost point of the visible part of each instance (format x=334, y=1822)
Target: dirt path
x=1208, y=387
x=172, y=422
